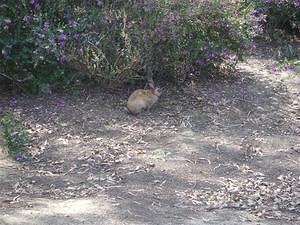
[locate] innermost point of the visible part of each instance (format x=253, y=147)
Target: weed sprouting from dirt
x=15, y=135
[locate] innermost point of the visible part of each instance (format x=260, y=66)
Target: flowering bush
x=277, y=17
x=280, y=20
x=33, y=37
x=52, y=43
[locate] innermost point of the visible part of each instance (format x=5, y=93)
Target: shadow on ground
x=95, y=164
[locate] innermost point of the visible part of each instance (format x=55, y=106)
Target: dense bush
x=278, y=18
x=32, y=41
x=47, y=44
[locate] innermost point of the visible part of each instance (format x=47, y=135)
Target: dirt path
x=222, y=151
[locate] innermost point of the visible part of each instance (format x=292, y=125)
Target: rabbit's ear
x=151, y=84
x=157, y=91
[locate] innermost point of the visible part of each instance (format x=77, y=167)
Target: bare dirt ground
x=219, y=151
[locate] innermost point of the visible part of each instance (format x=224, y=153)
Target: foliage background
x=47, y=45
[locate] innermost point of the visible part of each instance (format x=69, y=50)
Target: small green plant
x=287, y=65
x=284, y=52
x=286, y=69
x=161, y=155
x=14, y=135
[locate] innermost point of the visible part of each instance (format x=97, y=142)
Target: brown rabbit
x=142, y=99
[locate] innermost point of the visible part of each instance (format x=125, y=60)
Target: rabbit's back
x=141, y=99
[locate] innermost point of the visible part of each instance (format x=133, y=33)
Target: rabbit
x=142, y=99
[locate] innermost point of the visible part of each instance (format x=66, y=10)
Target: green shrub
x=279, y=21
x=32, y=44
x=14, y=135
x=48, y=44
x=278, y=18
x=167, y=39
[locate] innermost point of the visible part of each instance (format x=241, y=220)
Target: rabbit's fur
x=142, y=99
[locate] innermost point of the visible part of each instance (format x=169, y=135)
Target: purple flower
x=187, y=69
x=142, y=23
x=210, y=55
x=34, y=3
x=72, y=23
x=62, y=44
x=254, y=12
x=274, y=69
x=46, y=26
x=287, y=67
x=232, y=56
x=62, y=36
x=281, y=2
x=296, y=3
x=174, y=35
x=19, y=157
x=262, y=18
x=51, y=40
x=159, y=30
x=76, y=36
x=82, y=91
x=199, y=62
x=172, y=19
x=40, y=35
x=67, y=15
x=13, y=100
x=62, y=59
x=259, y=28
x=129, y=24
x=26, y=18
x=253, y=47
